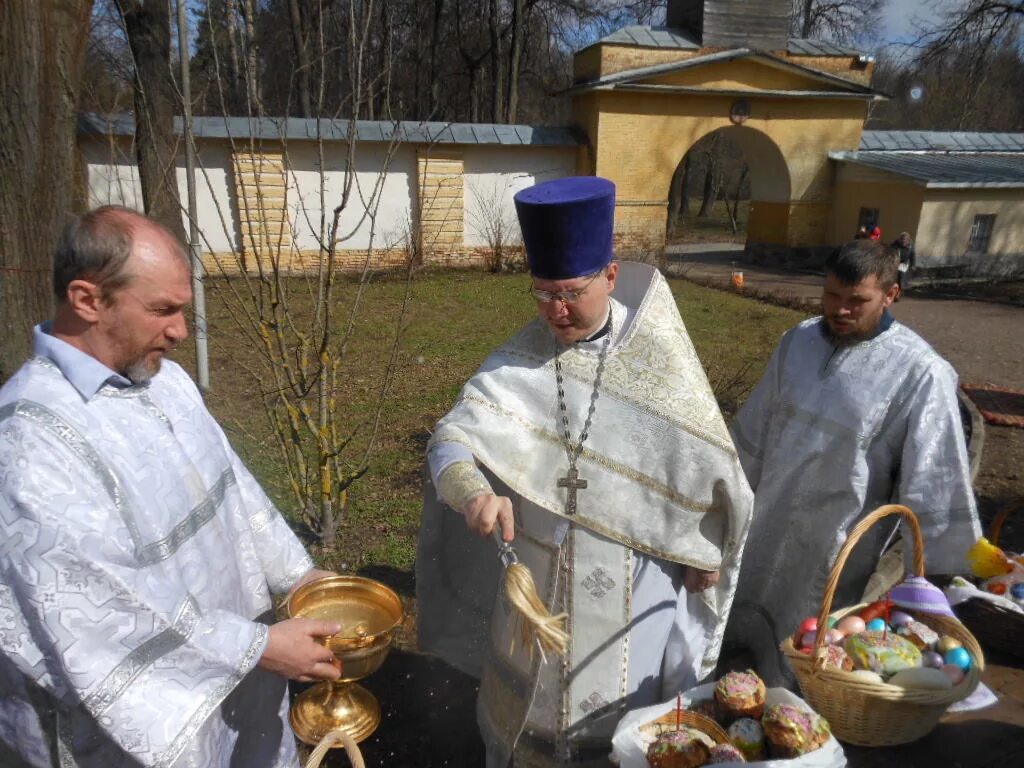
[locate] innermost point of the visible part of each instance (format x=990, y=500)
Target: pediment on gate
x=741, y=71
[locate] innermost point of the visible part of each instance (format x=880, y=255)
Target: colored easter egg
x=832, y=621
x=958, y=656
x=867, y=676
x=953, y=672
x=921, y=677
x=946, y=644
x=899, y=619
x=1017, y=591
x=932, y=659
x=834, y=637
x=876, y=625
x=808, y=639
x=851, y=625
x=808, y=625
x=872, y=610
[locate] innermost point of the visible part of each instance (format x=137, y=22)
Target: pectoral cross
x=572, y=482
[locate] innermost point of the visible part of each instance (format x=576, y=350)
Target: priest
x=593, y=443
x=138, y=555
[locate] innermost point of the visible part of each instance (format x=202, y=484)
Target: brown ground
x=429, y=708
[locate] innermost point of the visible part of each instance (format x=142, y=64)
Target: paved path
x=984, y=342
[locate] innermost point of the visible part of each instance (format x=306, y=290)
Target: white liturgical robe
x=664, y=490
x=137, y=561
x=829, y=434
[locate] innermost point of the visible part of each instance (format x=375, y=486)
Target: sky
x=898, y=19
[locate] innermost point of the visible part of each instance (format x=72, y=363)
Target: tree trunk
x=42, y=57
x=677, y=195
x=514, y=59
x=156, y=101
x=684, y=189
x=234, y=61
x=435, y=38
x=806, y=18
x=254, y=93
x=710, y=188
x=492, y=25
x=303, y=70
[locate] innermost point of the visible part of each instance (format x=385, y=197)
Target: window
x=981, y=232
x=868, y=218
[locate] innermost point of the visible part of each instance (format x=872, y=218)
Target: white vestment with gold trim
x=664, y=489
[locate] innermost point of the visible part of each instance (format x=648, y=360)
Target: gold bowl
x=369, y=614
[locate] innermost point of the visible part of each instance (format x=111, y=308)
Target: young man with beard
x=138, y=556
x=855, y=410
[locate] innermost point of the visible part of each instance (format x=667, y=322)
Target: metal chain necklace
x=572, y=481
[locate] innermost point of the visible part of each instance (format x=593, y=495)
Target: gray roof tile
x=940, y=169
x=941, y=141
x=297, y=128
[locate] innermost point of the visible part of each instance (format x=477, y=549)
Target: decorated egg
x=834, y=637
x=867, y=676
x=809, y=639
x=921, y=677
x=958, y=656
x=873, y=610
x=919, y=594
x=832, y=621
x=808, y=625
x=876, y=625
x=946, y=644
x=899, y=619
x=953, y=672
x=1017, y=591
x=851, y=625
x=932, y=659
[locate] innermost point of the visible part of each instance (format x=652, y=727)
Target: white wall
x=382, y=187
x=493, y=175
x=113, y=179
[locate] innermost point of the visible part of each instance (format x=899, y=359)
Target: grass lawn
x=455, y=320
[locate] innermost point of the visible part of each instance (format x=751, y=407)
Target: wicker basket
x=330, y=741
x=878, y=714
x=996, y=627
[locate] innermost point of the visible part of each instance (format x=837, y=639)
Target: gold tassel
x=537, y=627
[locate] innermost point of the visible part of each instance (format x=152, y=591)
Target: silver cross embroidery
x=598, y=583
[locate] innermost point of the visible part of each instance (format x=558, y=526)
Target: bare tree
x=42, y=50
x=843, y=21
x=148, y=26
x=981, y=23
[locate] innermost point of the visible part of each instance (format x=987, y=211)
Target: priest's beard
x=140, y=372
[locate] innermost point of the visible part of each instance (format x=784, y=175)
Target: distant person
x=876, y=234
x=862, y=233
x=855, y=410
x=904, y=247
x=139, y=558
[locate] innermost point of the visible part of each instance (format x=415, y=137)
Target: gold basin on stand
x=369, y=613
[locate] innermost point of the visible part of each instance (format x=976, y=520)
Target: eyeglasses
x=567, y=297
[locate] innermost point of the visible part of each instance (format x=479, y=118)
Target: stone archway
x=768, y=178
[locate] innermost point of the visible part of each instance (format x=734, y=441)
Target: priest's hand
x=696, y=580
x=293, y=650
x=483, y=511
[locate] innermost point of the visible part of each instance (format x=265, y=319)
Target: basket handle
x=886, y=510
x=328, y=742
x=997, y=522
